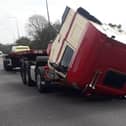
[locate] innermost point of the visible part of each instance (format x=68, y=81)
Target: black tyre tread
x=43, y=88
x=6, y=68
x=23, y=71
x=29, y=82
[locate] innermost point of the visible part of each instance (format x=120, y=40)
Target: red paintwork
x=97, y=52
x=29, y=53
x=46, y=69
x=48, y=50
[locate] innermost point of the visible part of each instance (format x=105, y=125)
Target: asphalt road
x=24, y=106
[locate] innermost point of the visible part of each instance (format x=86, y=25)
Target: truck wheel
x=41, y=83
x=23, y=76
x=29, y=82
x=23, y=72
x=6, y=68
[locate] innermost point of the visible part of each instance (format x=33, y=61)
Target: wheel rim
x=42, y=82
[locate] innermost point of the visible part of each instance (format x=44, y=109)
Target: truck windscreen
x=65, y=61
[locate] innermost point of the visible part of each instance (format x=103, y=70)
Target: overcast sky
x=18, y=11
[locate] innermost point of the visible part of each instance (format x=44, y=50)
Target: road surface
x=24, y=106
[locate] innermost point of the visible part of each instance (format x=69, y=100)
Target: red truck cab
x=88, y=55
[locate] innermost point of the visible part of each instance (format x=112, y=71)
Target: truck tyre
x=23, y=71
x=29, y=82
x=41, y=83
x=6, y=68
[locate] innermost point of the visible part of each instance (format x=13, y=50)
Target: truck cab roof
x=102, y=27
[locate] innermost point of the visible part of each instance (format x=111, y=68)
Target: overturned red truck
x=87, y=55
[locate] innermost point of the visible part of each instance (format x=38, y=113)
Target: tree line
x=39, y=31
